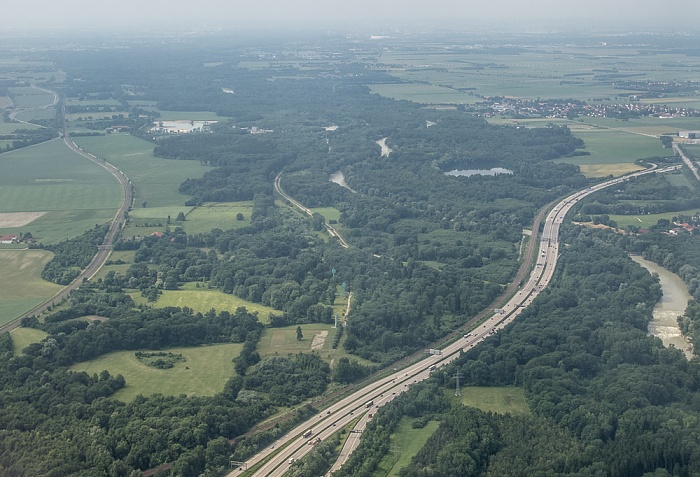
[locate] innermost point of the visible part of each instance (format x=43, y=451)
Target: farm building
x=689, y=134
x=8, y=239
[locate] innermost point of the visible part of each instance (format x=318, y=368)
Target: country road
x=104, y=250
x=329, y=228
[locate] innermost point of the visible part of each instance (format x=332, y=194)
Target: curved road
x=307, y=211
x=276, y=459
x=103, y=250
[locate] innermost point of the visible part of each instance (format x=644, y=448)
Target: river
x=386, y=150
x=672, y=305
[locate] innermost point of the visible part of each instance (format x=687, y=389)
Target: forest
x=606, y=398
x=427, y=253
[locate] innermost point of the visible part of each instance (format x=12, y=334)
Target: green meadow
x=203, y=373
x=422, y=93
x=647, y=220
x=156, y=180
x=204, y=299
x=74, y=193
x=21, y=285
x=316, y=339
x=30, y=97
x=405, y=443
x=199, y=219
x=23, y=337
x=500, y=400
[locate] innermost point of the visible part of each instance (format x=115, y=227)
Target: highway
x=103, y=250
x=276, y=459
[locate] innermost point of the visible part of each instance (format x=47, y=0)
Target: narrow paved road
x=332, y=231
x=687, y=160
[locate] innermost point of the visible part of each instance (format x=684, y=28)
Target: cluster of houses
x=681, y=227
x=570, y=109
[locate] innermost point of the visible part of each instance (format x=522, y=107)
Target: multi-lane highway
x=297, y=443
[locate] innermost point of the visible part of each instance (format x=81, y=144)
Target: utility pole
x=457, y=375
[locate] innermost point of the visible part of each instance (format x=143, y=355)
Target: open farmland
x=156, y=181
x=30, y=97
x=21, y=285
x=204, y=371
x=422, y=93
x=647, y=220
x=73, y=193
x=199, y=219
x=614, y=147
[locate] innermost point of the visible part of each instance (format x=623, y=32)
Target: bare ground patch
x=319, y=339
x=18, y=219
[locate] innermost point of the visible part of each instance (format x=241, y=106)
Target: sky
x=158, y=15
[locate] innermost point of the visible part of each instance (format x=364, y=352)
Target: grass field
x=500, y=400
x=29, y=97
x=203, y=373
x=21, y=285
x=155, y=180
x=9, y=128
x=34, y=114
x=203, y=300
x=406, y=441
x=329, y=213
x=422, y=93
x=23, y=337
x=74, y=192
x=317, y=337
x=646, y=221
x=603, y=170
x=199, y=219
x=608, y=146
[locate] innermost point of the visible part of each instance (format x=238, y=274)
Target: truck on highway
x=369, y=404
x=307, y=434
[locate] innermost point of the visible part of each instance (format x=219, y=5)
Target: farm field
x=155, y=180
x=203, y=300
x=21, y=285
x=408, y=441
x=221, y=215
x=29, y=97
x=35, y=114
x=614, y=152
x=74, y=193
x=203, y=373
x=23, y=337
x=500, y=400
x=646, y=221
x=9, y=128
x=423, y=93
x=544, y=71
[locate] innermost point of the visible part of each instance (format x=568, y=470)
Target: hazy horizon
x=160, y=15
